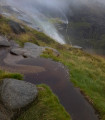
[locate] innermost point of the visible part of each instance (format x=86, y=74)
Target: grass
x=46, y=107
x=4, y=74
x=30, y=35
x=87, y=72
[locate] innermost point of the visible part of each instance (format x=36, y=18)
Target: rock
x=14, y=44
x=55, y=52
x=29, y=45
x=16, y=27
x=4, y=42
x=77, y=47
x=3, y=116
x=16, y=94
x=31, y=54
x=18, y=51
x=32, y=50
x=36, y=50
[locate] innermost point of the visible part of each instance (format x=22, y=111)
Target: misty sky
x=52, y=4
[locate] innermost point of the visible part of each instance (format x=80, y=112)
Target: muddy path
x=54, y=75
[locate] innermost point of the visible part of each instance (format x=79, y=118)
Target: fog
x=41, y=11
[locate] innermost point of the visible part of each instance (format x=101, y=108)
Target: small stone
x=77, y=47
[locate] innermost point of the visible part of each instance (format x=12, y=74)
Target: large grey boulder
x=30, y=50
x=16, y=94
x=4, y=42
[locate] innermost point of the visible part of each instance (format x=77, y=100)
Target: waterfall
x=35, y=10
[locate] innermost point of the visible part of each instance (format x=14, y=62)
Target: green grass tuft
x=46, y=107
x=4, y=74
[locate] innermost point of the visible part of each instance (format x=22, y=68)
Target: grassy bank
x=46, y=107
x=87, y=72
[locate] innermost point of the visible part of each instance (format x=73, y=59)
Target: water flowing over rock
x=16, y=94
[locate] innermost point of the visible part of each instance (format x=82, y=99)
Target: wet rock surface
x=16, y=94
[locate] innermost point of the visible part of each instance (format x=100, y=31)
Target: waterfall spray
x=38, y=18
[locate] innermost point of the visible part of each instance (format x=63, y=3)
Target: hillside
x=87, y=72
x=47, y=105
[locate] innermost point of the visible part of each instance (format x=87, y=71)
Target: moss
x=46, y=107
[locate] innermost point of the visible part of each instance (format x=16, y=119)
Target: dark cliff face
x=86, y=26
